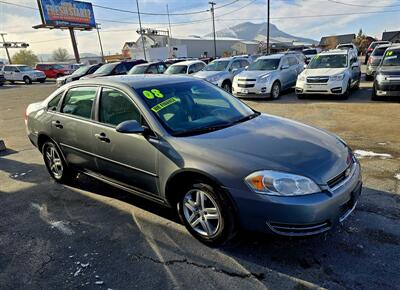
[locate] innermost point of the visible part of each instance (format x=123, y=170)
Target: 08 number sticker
x=152, y=94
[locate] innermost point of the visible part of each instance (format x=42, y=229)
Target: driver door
x=128, y=159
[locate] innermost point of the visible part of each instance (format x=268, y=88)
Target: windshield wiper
x=201, y=130
x=244, y=119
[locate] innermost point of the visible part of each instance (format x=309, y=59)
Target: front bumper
x=251, y=89
x=328, y=88
x=390, y=89
x=299, y=215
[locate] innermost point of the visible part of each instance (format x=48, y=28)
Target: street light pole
x=268, y=19
x=101, y=45
x=5, y=46
x=169, y=23
x=213, y=20
x=141, y=31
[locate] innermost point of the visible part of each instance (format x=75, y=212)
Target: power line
x=362, y=5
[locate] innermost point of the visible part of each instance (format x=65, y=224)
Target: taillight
x=370, y=60
x=370, y=49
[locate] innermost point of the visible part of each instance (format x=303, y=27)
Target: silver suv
x=221, y=71
x=268, y=76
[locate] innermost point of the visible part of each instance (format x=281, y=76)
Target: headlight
x=336, y=77
x=213, y=79
x=301, y=78
x=380, y=78
x=280, y=183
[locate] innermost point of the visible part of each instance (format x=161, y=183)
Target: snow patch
x=59, y=225
x=397, y=176
x=365, y=153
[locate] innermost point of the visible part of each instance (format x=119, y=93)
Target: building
x=329, y=42
x=393, y=36
x=245, y=47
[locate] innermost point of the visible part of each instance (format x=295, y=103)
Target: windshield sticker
x=153, y=92
x=164, y=104
x=389, y=53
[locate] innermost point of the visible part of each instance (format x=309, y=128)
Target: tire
x=59, y=76
x=301, y=96
x=226, y=86
x=275, y=90
x=55, y=163
x=27, y=80
x=346, y=94
x=221, y=225
x=42, y=81
x=374, y=97
x=368, y=78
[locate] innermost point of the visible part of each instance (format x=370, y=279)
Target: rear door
x=293, y=68
x=285, y=72
x=129, y=159
x=72, y=127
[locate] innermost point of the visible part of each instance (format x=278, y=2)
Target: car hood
x=323, y=72
x=91, y=76
x=272, y=143
x=389, y=70
x=208, y=74
x=254, y=73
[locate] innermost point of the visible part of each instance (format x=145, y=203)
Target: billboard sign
x=67, y=13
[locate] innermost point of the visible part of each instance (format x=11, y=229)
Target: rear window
x=379, y=51
x=79, y=102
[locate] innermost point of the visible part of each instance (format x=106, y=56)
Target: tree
x=361, y=41
x=60, y=54
x=25, y=56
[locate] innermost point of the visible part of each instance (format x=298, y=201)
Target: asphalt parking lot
x=92, y=236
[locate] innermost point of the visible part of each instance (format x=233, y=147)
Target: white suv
x=334, y=72
x=17, y=72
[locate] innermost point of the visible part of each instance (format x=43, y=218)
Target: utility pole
x=213, y=20
x=6, y=47
x=268, y=19
x=169, y=23
x=101, y=45
x=141, y=31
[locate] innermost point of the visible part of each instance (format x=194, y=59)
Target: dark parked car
x=372, y=46
x=189, y=145
x=76, y=75
x=158, y=67
x=374, y=61
x=114, y=68
x=2, y=80
x=387, y=78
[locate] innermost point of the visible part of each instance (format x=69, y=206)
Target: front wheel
x=55, y=164
x=275, y=90
x=226, y=86
x=27, y=80
x=207, y=214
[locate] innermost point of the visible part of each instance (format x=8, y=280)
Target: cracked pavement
x=91, y=236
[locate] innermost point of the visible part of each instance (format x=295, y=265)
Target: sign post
x=69, y=15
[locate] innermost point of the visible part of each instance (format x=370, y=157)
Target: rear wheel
x=27, y=80
x=55, y=163
x=207, y=214
x=275, y=90
x=374, y=97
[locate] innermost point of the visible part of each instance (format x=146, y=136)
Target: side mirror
x=130, y=127
x=246, y=67
x=305, y=66
x=286, y=66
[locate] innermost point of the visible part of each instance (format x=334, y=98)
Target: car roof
x=135, y=81
x=187, y=62
x=149, y=63
x=271, y=56
x=336, y=51
x=384, y=45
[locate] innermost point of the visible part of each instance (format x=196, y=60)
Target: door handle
x=102, y=137
x=57, y=124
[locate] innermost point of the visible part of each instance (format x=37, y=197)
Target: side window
x=161, y=68
x=200, y=66
x=120, y=69
x=284, y=61
x=152, y=69
x=192, y=69
x=292, y=60
x=235, y=65
x=53, y=104
x=115, y=108
x=79, y=102
x=7, y=68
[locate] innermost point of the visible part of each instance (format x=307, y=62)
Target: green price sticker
x=153, y=93
x=389, y=53
x=164, y=104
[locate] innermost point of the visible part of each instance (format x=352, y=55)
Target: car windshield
x=81, y=70
x=217, y=65
x=176, y=69
x=391, y=58
x=328, y=61
x=106, y=69
x=139, y=69
x=379, y=51
x=57, y=66
x=25, y=68
x=264, y=64
x=310, y=51
x=193, y=107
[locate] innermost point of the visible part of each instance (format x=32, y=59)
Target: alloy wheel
x=54, y=162
x=275, y=91
x=201, y=212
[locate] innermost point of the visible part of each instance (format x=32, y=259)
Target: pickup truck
x=20, y=72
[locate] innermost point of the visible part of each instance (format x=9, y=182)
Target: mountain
x=43, y=57
x=253, y=31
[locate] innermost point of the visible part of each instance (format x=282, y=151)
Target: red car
x=52, y=71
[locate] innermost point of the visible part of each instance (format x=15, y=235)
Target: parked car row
x=24, y=73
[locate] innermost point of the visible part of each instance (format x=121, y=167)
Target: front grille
x=342, y=176
x=247, y=80
x=317, y=80
x=299, y=230
x=246, y=85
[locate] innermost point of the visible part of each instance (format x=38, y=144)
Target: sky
x=303, y=18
